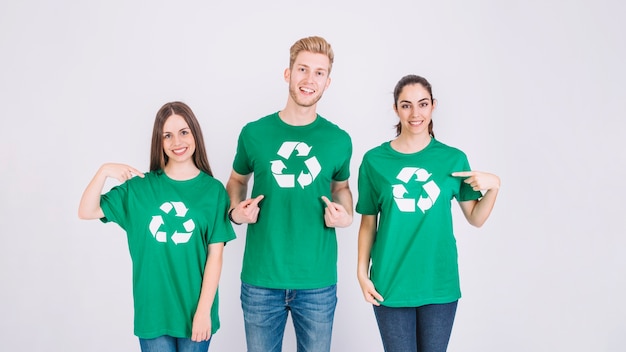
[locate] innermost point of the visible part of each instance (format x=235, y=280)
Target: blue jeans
x=421, y=329
x=173, y=344
x=265, y=313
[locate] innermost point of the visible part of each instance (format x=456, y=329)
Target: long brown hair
x=158, y=158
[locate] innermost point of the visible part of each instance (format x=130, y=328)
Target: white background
x=531, y=90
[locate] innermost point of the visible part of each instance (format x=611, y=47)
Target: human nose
x=175, y=139
x=310, y=76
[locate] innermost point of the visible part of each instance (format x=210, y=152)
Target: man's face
x=308, y=78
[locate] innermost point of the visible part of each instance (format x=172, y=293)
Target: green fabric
x=159, y=214
x=289, y=246
x=414, y=255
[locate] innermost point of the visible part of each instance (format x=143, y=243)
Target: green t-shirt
x=169, y=226
x=289, y=246
x=414, y=255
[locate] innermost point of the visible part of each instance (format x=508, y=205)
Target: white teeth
x=307, y=90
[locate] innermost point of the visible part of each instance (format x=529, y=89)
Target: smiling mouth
x=307, y=90
x=179, y=151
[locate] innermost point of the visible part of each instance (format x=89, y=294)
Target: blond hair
x=314, y=44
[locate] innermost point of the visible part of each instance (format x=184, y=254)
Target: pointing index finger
x=136, y=172
x=462, y=173
x=256, y=200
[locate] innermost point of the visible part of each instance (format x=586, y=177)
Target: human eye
x=185, y=132
x=405, y=106
x=167, y=136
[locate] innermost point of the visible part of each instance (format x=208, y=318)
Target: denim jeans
x=173, y=344
x=421, y=329
x=265, y=313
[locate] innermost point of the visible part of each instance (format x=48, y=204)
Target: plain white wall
x=531, y=90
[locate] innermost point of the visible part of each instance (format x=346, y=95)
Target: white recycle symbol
x=289, y=180
x=177, y=237
x=430, y=187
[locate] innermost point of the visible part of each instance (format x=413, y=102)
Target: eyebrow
x=406, y=101
x=313, y=68
x=182, y=129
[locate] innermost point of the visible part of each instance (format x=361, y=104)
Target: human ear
x=287, y=74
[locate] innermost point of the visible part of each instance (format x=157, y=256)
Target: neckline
x=392, y=149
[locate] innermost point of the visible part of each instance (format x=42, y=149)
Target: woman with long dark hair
x=175, y=218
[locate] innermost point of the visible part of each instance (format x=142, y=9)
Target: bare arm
x=477, y=211
x=367, y=233
x=201, y=326
x=338, y=213
x=89, y=207
x=237, y=187
x=243, y=210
